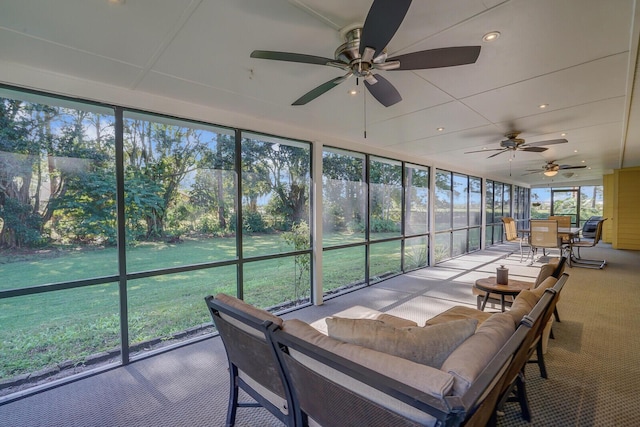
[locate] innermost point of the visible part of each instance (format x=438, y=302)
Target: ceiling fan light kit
x=552, y=168
x=365, y=51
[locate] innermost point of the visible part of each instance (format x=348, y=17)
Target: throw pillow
x=428, y=346
x=396, y=321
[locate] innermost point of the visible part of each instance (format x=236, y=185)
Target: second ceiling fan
x=552, y=168
x=513, y=143
x=365, y=51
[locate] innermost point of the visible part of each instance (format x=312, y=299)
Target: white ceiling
x=190, y=58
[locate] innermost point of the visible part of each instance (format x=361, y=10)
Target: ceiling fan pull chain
x=365, y=113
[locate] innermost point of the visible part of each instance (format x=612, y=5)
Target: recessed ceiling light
x=440, y=129
x=543, y=106
x=116, y=1
x=583, y=161
x=563, y=134
x=492, y=36
x=575, y=151
x=353, y=91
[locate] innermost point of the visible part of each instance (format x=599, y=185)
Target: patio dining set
x=556, y=232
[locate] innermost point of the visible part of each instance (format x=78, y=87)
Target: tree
x=164, y=154
x=44, y=149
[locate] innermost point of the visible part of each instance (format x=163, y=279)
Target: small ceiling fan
x=513, y=143
x=552, y=169
x=364, y=52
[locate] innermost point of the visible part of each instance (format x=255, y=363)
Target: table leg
x=484, y=301
x=502, y=301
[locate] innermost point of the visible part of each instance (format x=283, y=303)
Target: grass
x=43, y=330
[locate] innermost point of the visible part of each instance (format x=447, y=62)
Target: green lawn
x=43, y=330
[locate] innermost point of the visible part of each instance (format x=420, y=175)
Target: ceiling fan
x=552, y=168
x=513, y=143
x=364, y=52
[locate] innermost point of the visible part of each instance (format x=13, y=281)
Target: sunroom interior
x=147, y=160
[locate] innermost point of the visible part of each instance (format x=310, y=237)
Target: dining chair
x=544, y=234
x=564, y=221
x=577, y=260
x=511, y=235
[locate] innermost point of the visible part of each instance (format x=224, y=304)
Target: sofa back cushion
x=546, y=284
x=430, y=345
x=522, y=305
x=546, y=270
x=468, y=360
x=421, y=377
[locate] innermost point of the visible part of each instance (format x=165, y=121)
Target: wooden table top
x=488, y=284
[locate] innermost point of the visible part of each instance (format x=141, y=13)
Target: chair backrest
x=243, y=329
x=564, y=221
x=510, y=229
x=598, y=234
x=544, y=234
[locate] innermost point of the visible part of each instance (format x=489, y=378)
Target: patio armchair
x=253, y=366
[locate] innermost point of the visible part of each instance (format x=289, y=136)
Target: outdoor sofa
x=323, y=380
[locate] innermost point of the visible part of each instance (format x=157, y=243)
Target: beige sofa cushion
x=430, y=345
x=396, y=321
x=546, y=270
x=248, y=308
x=468, y=360
x=546, y=283
x=522, y=305
x=424, y=378
x=459, y=312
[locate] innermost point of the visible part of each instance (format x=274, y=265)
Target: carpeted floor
x=593, y=363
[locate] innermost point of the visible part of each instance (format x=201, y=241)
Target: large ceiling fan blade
x=437, y=58
x=383, y=91
x=533, y=149
x=564, y=167
x=297, y=57
x=502, y=151
x=484, y=151
x=325, y=87
x=548, y=142
x=383, y=20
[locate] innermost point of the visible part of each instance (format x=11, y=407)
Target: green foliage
x=378, y=225
x=208, y=224
x=416, y=256
x=24, y=226
x=252, y=222
x=300, y=238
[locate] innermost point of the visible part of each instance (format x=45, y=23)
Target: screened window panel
x=344, y=197
x=416, y=200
